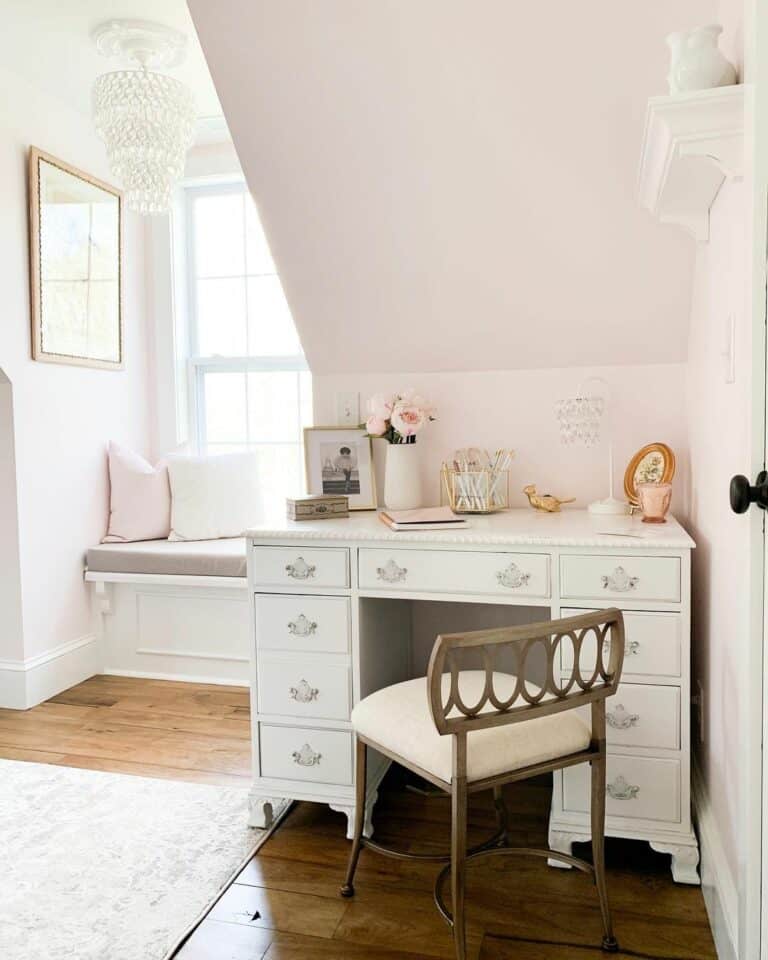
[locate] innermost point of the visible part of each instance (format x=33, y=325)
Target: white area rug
x=101, y=866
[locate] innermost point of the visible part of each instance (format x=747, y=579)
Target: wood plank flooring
x=285, y=904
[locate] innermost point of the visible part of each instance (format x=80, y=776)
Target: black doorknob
x=742, y=494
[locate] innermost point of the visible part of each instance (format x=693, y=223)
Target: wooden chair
x=503, y=728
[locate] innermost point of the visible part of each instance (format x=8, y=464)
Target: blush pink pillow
x=140, y=498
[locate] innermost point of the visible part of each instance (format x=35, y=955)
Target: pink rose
x=379, y=407
x=375, y=426
x=408, y=419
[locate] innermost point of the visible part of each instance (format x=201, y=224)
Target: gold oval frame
x=629, y=474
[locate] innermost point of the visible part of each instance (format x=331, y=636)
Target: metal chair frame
x=455, y=718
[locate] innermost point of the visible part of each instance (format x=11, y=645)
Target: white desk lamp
x=580, y=419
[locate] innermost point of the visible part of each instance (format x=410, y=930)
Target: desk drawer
x=300, y=567
x=308, y=623
x=455, y=572
x=640, y=788
x=616, y=578
x=652, y=645
x=301, y=753
x=642, y=715
x=307, y=688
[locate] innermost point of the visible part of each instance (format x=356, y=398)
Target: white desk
x=331, y=622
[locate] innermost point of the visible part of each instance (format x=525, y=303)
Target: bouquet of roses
x=398, y=419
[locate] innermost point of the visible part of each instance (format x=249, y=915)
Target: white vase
x=697, y=63
x=402, y=477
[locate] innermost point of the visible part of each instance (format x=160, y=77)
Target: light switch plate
x=348, y=409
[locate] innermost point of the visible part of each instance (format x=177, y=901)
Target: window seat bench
x=172, y=610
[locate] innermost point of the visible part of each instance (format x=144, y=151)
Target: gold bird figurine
x=544, y=501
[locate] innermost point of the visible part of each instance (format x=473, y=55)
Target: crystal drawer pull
x=619, y=581
x=620, y=719
x=631, y=648
x=303, y=693
x=621, y=790
x=300, y=569
x=513, y=577
x=391, y=573
x=302, y=627
x=306, y=757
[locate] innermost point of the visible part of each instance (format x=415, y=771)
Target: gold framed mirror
x=75, y=265
x=653, y=463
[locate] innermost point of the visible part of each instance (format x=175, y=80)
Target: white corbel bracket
x=693, y=142
x=103, y=594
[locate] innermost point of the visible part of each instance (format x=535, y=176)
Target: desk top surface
x=570, y=528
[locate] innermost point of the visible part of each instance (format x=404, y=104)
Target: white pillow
x=213, y=497
x=139, y=498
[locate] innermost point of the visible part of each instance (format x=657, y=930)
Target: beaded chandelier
x=145, y=118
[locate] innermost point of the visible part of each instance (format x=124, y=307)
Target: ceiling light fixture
x=145, y=118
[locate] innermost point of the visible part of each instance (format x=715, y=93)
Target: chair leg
x=598, y=850
x=458, y=862
x=502, y=815
x=348, y=890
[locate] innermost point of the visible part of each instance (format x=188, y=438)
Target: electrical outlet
x=348, y=409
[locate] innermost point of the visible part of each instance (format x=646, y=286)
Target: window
x=249, y=384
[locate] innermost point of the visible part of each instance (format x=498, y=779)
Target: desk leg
x=563, y=842
x=685, y=860
x=349, y=812
x=263, y=811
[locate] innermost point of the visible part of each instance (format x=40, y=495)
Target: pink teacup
x=654, y=501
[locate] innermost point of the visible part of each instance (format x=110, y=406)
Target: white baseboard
x=180, y=677
x=25, y=683
x=717, y=883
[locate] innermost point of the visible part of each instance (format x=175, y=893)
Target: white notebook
x=426, y=518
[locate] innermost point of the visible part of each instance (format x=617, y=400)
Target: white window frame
x=198, y=366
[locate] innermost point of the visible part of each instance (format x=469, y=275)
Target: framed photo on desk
x=338, y=462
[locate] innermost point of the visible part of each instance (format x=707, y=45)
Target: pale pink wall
x=449, y=185
x=719, y=431
x=517, y=409
x=64, y=416
x=730, y=13
x=11, y=628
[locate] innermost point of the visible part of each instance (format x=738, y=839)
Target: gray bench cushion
x=193, y=558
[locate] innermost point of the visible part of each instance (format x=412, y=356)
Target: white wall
x=517, y=409
x=64, y=416
x=720, y=435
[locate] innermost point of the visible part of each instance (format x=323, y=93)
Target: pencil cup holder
x=475, y=491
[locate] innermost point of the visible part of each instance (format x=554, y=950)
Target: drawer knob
x=303, y=692
x=619, y=581
x=306, y=757
x=621, y=719
x=512, y=577
x=300, y=569
x=619, y=789
x=631, y=648
x=391, y=572
x=302, y=627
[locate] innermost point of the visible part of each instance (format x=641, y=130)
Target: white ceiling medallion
x=145, y=118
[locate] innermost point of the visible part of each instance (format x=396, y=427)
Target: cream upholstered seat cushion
x=399, y=719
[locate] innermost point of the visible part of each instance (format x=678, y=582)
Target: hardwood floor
x=285, y=904
x=152, y=728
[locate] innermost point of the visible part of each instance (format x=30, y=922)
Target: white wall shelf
x=692, y=143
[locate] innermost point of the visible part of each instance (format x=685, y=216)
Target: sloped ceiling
x=451, y=184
